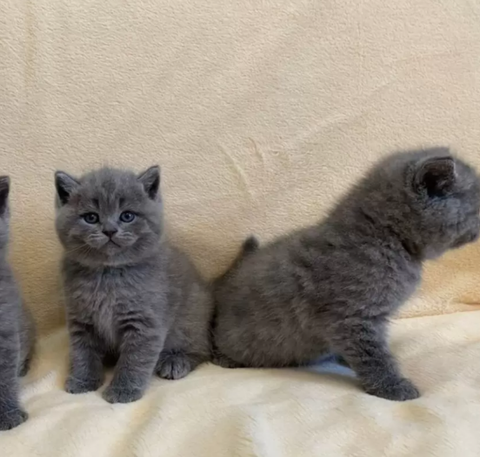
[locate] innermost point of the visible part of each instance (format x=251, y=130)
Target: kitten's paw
x=81, y=386
x=121, y=394
x=174, y=366
x=13, y=418
x=400, y=390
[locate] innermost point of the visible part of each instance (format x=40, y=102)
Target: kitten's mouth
x=110, y=248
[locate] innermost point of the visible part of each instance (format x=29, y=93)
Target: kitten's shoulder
x=72, y=270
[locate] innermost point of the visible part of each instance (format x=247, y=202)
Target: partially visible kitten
x=131, y=296
x=332, y=287
x=17, y=330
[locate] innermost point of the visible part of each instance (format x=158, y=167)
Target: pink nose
x=110, y=233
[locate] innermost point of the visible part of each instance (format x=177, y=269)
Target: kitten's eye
x=127, y=216
x=91, y=218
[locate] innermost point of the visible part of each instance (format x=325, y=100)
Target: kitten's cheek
x=126, y=242
x=96, y=243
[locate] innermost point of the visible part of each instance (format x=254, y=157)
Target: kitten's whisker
x=76, y=249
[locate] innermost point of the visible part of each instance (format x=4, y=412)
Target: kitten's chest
x=104, y=308
x=100, y=299
x=398, y=283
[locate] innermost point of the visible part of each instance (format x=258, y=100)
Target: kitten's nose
x=110, y=232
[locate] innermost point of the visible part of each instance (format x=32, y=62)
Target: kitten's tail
x=251, y=244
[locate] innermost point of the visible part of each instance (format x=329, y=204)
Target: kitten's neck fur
x=375, y=222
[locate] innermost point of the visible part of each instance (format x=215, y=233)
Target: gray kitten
x=332, y=287
x=17, y=330
x=132, y=298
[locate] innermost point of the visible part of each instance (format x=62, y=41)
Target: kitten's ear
x=437, y=175
x=65, y=185
x=150, y=180
x=4, y=191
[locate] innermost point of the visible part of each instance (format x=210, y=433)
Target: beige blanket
x=261, y=114
x=268, y=413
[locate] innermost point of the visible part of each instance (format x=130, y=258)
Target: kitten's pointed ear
x=150, y=180
x=437, y=175
x=4, y=191
x=65, y=185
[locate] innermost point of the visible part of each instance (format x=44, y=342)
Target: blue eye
x=91, y=218
x=127, y=217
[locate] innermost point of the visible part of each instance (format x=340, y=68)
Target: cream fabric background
x=261, y=113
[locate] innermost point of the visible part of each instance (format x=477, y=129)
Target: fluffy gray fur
x=17, y=329
x=132, y=298
x=332, y=287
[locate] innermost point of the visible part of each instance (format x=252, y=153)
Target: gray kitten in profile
x=132, y=298
x=17, y=329
x=332, y=287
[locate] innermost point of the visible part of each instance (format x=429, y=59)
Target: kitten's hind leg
x=337, y=358
x=225, y=362
x=177, y=364
x=11, y=413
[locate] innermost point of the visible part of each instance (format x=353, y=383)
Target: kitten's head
x=4, y=212
x=432, y=199
x=109, y=217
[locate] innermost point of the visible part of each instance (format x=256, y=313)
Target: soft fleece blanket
x=261, y=114
x=270, y=413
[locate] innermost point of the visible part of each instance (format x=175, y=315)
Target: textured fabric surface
x=261, y=114
x=271, y=413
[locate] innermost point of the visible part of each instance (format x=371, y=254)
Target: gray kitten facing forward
x=17, y=329
x=131, y=297
x=332, y=287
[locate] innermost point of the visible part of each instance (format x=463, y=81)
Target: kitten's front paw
x=12, y=419
x=174, y=367
x=121, y=394
x=81, y=386
x=399, y=390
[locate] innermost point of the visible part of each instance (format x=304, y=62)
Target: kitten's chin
x=111, y=249
x=102, y=260
x=112, y=254
x=114, y=258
